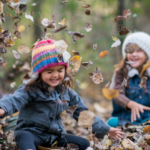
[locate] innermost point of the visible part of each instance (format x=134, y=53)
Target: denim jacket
x=135, y=93
x=41, y=114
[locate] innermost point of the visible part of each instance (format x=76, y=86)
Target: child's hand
x=116, y=133
x=136, y=109
x=2, y=112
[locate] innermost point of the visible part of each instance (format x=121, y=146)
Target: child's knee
x=113, y=121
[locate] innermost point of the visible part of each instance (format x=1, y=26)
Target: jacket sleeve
x=99, y=126
x=14, y=102
x=121, y=100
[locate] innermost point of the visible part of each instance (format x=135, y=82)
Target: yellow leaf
x=147, y=65
x=110, y=93
x=21, y=28
x=114, y=38
x=76, y=62
x=62, y=22
x=103, y=53
x=9, y=41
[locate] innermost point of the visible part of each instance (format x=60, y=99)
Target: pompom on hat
x=44, y=55
x=142, y=39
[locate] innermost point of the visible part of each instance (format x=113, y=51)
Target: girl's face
x=138, y=57
x=53, y=75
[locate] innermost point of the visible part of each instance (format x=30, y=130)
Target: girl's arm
x=13, y=102
x=99, y=126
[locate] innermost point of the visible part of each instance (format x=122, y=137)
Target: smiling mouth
x=54, y=80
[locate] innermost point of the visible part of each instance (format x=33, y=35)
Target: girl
x=133, y=103
x=41, y=101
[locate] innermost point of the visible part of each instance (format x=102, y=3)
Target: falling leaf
x=95, y=46
x=110, y=93
x=76, y=62
x=59, y=57
x=126, y=13
x=86, y=118
x=116, y=43
x=75, y=35
x=4, y=64
x=145, y=66
x=123, y=30
x=91, y=63
x=61, y=46
x=87, y=11
x=108, y=84
x=66, y=56
x=9, y=41
x=84, y=64
x=33, y=4
x=114, y=38
x=45, y=22
x=29, y=17
x=2, y=16
x=128, y=144
x=143, y=81
x=62, y=22
x=18, y=35
x=71, y=109
x=23, y=49
x=123, y=85
x=131, y=48
x=59, y=29
x=75, y=52
x=86, y=6
x=16, y=54
x=118, y=18
x=13, y=84
x=103, y=53
x=97, y=78
x=88, y=27
x=63, y=2
x=1, y=7
x=21, y=28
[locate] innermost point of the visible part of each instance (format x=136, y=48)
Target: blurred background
x=103, y=27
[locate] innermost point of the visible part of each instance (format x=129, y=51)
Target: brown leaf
x=86, y=118
x=71, y=109
x=59, y=57
x=75, y=52
x=103, y=54
x=88, y=27
x=17, y=34
x=2, y=17
x=87, y=11
x=126, y=13
x=59, y=29
x=86, y=6
x=97, y=78
x=118, y=18
x=143, y=81
x=15, y=26
x=123, y=30
x=84, y=64
x=110, y=93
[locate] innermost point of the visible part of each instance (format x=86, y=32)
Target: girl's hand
x=136, y=109
x=2, y=112
x=116, y=133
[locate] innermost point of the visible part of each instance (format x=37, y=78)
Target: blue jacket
x=137, y=94
x=41, y=114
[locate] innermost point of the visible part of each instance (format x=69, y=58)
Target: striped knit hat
x=44, y=55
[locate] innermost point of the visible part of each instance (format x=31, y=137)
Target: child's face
x=53, y=75
x=138, y=57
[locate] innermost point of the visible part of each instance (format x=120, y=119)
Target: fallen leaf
x=88, y=27
x=29, y=17
x=116, y=43
x=16, y=54
x=86, y=118
x=103, y=53
x=110, y=93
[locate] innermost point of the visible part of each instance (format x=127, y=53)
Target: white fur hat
x=142, y=39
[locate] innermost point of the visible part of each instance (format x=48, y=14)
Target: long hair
x=39, y=83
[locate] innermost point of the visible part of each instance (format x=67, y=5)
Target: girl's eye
x=49, y=72
x=60, y=71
